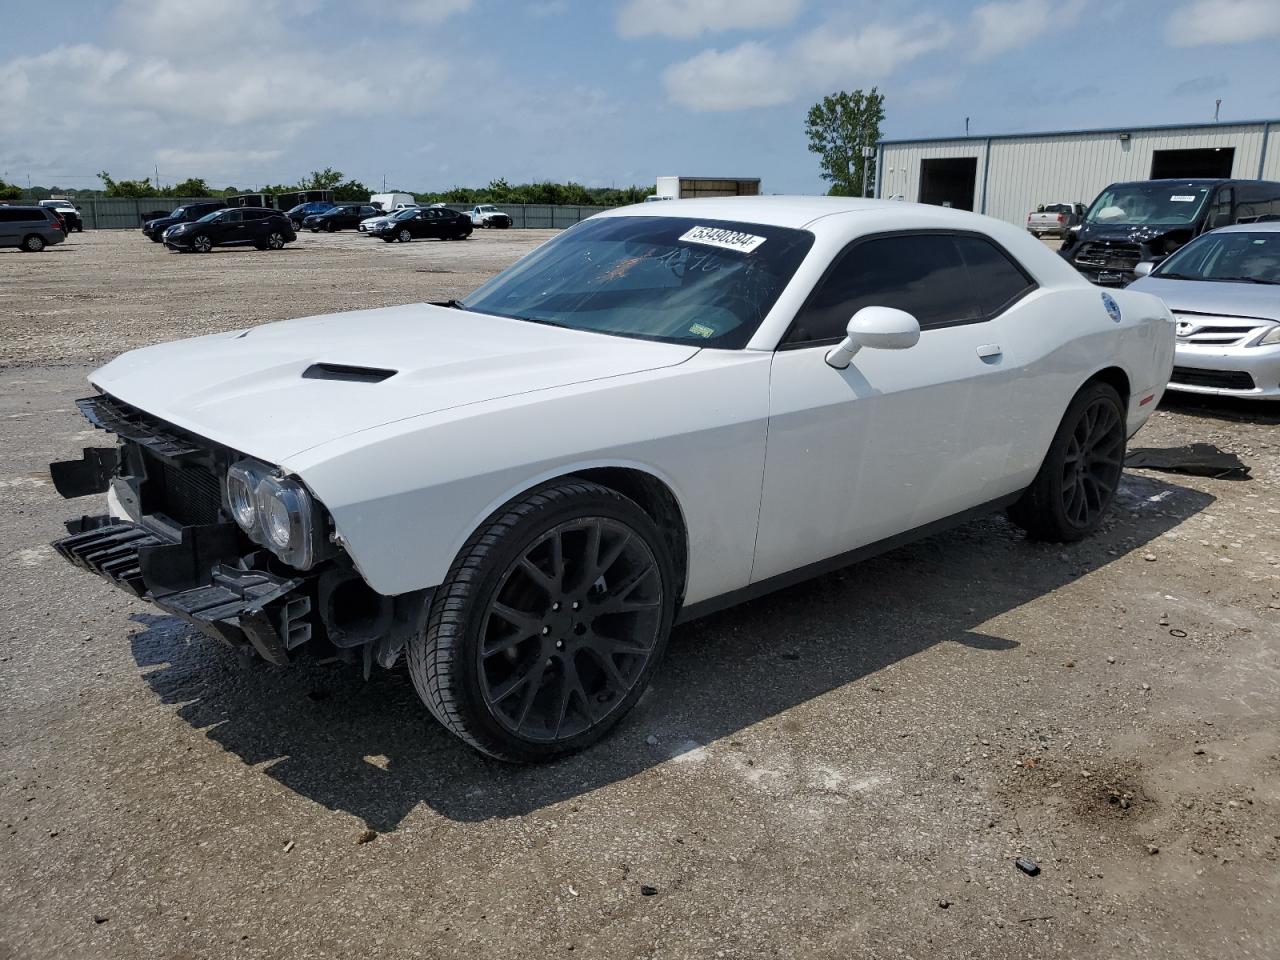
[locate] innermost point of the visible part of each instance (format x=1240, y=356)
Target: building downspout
x=986, y=168
x=880, y=168
x=1262, y=159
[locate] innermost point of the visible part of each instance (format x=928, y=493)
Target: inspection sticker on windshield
x=724, y=239
x=1182, y=199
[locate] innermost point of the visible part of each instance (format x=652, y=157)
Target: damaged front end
x=171, y=537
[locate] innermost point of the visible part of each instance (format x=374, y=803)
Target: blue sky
x=436, y=93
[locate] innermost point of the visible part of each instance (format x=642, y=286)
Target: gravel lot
x=848, y=768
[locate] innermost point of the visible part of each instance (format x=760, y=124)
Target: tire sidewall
x=465, y=680
x=1056, y=459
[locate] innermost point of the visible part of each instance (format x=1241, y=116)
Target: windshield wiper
x=1174, y=276
x=452, y=304
x=1271, y=283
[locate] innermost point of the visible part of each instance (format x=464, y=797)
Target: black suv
x=439, y=222
x=1147, y=220
x=341, y=217
x=185, y=214
x=263, y=227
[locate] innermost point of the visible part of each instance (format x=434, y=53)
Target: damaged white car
x=654, y=415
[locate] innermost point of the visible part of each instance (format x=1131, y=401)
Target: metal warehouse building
x=1008, y=175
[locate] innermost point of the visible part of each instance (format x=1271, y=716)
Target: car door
x=900, y=438
x=228, y=227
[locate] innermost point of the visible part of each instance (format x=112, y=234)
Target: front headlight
x=286, y=515
x=1272, y=337
x=274, y=511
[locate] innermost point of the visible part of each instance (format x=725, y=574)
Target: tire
x=275, y=240
x=568, y=698
x=331, y=227
x=156, y=239
x=404, y=236
x=201, y=244
x=388, y=239
x=33, y=243
x=1078, y=480
x=314, y=229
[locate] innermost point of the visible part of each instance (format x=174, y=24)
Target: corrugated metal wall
x=1026, y=171
x=119, y=213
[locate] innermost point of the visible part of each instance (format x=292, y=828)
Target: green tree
x=838, y=127
x=10, y=191
x=127, y=188
x=326, y=179
x=191, y=187
x=348, y=190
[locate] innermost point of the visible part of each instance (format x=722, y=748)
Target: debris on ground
x=1027, y=866
x=367, y=836
x=1196, y=459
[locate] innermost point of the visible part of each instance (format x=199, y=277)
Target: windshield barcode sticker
x=724, y=239
x=1179, y=199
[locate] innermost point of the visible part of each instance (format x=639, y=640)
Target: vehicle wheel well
x=1114, y=377
x=656, y=499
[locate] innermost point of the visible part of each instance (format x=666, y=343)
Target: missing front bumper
x=246, y=607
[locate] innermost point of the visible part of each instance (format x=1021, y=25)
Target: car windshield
x=178, y=212
x=407, y=214
x=1128, y=204
x=209, y=216
x=1229, y=257
x=679, y=280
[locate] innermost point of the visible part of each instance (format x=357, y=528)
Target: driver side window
x=922, y=274
x=1220, y=214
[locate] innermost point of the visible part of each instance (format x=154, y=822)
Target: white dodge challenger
x=654, y=415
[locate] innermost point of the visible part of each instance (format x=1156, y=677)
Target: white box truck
x=683, y=188
x=392, y=201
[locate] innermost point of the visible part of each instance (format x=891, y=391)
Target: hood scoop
x=347, y=373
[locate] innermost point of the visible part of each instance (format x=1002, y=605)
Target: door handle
x=990, y=351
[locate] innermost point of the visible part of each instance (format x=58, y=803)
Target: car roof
x=1259, y=226
x=799, y=212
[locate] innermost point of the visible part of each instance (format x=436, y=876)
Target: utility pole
x=867, y=153
x=1217, y=105
x=966, y=126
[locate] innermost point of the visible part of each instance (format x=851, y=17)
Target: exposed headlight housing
x=1271, y=337
x=274, y=511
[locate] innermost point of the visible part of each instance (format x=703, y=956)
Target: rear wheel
x=1081, y=472
x=549, y=625
x=33, y=243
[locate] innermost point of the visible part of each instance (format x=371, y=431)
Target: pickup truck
x=1055, y=218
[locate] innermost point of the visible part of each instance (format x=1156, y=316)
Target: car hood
x=1218, y=297
x=247, y=389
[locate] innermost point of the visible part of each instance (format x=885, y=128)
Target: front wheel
x=404, y=236
x=201, y=244
x=549, y=625
x=275, y=241
x=1080, y=474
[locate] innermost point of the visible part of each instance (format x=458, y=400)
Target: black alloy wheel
x=1093, y=463
x=1080, y=475
x=275, y=240
x=549, y=625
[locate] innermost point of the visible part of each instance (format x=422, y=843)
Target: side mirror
x=1143, y=268
x=882, y=328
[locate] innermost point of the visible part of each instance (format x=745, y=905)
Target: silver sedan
x=1224, y=291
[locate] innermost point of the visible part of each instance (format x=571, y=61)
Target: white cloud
x=1008, y=24
x=685, y=19
x=753, y=74
x=1222, y=21
x=418, y=11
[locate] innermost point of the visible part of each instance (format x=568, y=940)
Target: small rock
x=1146, y=686
x=944, y=904
x=367, y=836
x=1149, y=557
x=648, y=891
x=1111, y=659
x=1199, y=751
x=99, y=918
x=651, y=740
x=1027, y=866
x=1152, y=849
x=1069, y=663
x=288, y=846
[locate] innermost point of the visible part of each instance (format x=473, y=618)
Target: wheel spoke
x=517, y=618
x=533, y=685
x=548, y=583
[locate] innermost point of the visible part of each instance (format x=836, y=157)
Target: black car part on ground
x=179, y=548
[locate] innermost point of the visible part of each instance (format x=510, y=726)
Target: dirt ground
x=848, y=768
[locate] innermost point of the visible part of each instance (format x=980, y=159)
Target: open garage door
x=949, y=182
x=1211, y=162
